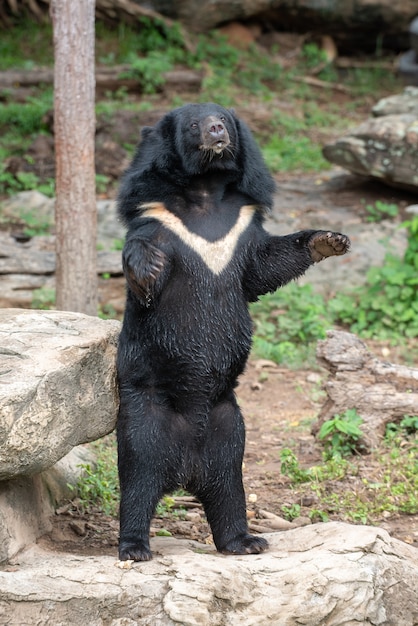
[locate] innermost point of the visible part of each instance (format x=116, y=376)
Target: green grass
x=288, y=323
x=26, y=45
x=355, y=490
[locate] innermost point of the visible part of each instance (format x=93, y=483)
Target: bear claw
x=325, y=244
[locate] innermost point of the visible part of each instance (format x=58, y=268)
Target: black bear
x=196, y=253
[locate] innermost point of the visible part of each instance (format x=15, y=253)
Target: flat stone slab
x=324, y=574
x=57, y=386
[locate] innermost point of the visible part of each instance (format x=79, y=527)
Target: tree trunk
x=74, y=126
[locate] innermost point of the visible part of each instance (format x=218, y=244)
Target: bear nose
x=216, y=129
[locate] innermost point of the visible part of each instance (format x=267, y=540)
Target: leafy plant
x=288, y=323
x=102, y=183
x=341, y=434
x=291, y=512
x=387, y=306
x=99, y=484
x=290, y=467
x=317, y=515
x=43, y=298
x=26, y=117
x=27, y=43
x=381, y=210
x=410, y=423
x=312, y=55
x=35, y=224
x=149, y=70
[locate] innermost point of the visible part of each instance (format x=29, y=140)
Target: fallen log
x=113, y=77
x=381, y=392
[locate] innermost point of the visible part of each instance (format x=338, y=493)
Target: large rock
x=406, y=102
x=58, y=386
x=324, y=574
x=383, y=147
x=360, y=21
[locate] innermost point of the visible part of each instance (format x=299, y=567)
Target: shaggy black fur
x=196, y=254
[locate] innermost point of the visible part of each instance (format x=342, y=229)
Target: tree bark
x=74, y=126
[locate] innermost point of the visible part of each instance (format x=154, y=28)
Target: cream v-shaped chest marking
x=215, y=254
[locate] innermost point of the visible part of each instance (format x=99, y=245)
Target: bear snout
x=214, y=134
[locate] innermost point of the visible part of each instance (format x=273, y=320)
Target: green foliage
x=102, y=183
x=107, y=311
x=35, y=223
x=313, y=56
x=410, y=423
x=99, y=485
x=26, y=117
x=19, y=122
x=381, y=210
x=407, y=425
x=13, y=183
x=288, y=323
x=291, y=512
x=393, y=489
x=366, y=81
x=149, y=70
x=290, y=147
x=340, y=434
x=286, y=153
x=27, y=44
x=317, y=515
x=290, y=467
x=167, y=504
x=118, y=244
x=156, y=35
x=43, y=298
x=387, y=306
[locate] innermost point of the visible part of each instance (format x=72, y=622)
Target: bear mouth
x=217, y=146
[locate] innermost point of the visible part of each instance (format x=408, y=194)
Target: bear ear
x=256, y=181
x=146, y=131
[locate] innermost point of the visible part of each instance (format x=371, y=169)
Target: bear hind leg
x=221, y=491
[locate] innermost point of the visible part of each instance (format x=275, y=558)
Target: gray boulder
x=58, y=386
x=405, y=102
x=383, y=147
x=57, y=390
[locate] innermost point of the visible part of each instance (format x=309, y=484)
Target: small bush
x=341, y=434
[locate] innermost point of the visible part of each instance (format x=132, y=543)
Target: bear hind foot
x=245, y=544
x=134, y=551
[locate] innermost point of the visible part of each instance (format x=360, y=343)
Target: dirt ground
x=279, y=406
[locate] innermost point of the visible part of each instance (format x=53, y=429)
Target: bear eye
x=193, y=125
x=222, y=118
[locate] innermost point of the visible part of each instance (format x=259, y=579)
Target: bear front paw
x=324, y=244
x=142, y=265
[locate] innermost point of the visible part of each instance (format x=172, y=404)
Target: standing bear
x=194, y=199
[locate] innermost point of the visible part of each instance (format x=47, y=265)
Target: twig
x=316, y=82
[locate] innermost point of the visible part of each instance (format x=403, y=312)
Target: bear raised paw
x=194, y=199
